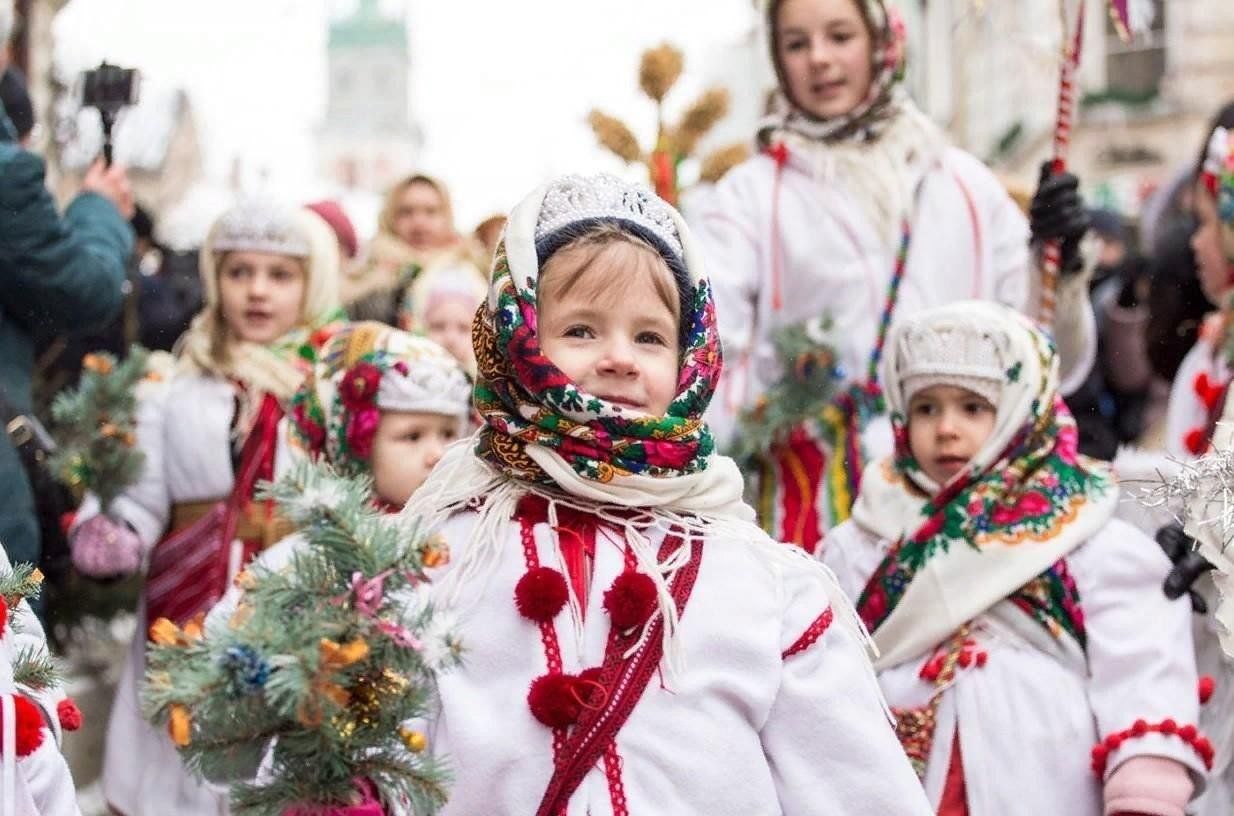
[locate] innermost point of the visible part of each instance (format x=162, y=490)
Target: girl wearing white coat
x=859, y=211
x=1031, y=659
x=209, y=432
x=635, y=641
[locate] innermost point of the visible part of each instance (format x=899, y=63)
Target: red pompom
x=631, y=600
x=1114, y=741
x=69, y=714
x=29, y=725
x=1188, y=733
x=541, y=594
x=1208, y=391
x=1206, y=687
x=591, y=689
x=4, y=616
x=556, y=700
x=1139, y=728
x=1168, y=727
x=1196, y=441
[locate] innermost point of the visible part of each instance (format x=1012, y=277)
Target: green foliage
x=22, y=582
x=808, y=384
x=96, y=427
x=321, y=663
x=32, y=669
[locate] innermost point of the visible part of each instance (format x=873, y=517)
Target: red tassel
x=541, y=594
x=556, y=700
x=69, y=714
x=4, y=616
x=29, y=725
x=631, y=600
x=1206, y=687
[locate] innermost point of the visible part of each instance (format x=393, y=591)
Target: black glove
x=1057, y=213
x=1188, y=566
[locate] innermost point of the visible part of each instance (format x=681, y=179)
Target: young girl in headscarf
x=380, y=403
x=414, y=230
x=442, y=303
x=633, y=642
x=859, y=211
x=1198, y=399
x=209, y=433
x=384, y=403
x=1032, y=662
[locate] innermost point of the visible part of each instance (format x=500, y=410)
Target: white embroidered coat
x=1029, y=717
x=767, y=717
x=969, y=240
x=43, y=784
x=184, y=429
x=1187, y=413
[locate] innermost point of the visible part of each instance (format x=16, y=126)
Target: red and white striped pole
x=1068, y=78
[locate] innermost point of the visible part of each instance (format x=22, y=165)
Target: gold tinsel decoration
x=414, y=740
x=659, y=70
x=613, y=134
x=718, y=162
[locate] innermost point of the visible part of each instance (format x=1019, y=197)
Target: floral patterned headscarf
x=365, y=369
x=1218, y=178
x=526, y=401
x=1024, y=501
x=883, y=101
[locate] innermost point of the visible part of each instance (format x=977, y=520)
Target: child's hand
x=1148, y=786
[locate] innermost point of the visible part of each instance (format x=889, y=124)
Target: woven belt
x=252, y=524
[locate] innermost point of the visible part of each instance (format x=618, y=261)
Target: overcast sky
x=500, y=88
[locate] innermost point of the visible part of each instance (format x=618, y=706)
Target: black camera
x=110, y=89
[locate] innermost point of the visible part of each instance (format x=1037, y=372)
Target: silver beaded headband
x=579, y=198
x=259, y=225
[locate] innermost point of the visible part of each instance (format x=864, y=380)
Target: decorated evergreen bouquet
x=302, y=693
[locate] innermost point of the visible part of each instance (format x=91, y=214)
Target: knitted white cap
x=261, y=225
x=430, y=382
x=955, y=353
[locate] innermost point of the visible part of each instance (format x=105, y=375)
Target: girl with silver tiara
x=210, y=431
x=637, y=642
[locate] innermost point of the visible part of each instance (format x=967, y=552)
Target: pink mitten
x=103, y=547
x=1149, y=785
x=369, y=805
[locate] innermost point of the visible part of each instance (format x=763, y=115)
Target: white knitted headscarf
x=262, y=226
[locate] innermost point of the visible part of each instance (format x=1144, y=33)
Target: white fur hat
x=955, y=352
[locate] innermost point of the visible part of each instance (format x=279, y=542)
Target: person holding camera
x=60, y=273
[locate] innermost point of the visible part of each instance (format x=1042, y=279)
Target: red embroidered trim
x=977, y=238
x=625, y=679
x=616, y=788
x=812, y=633
x=548, y=632
x=1187, y=733
x=778, y=153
